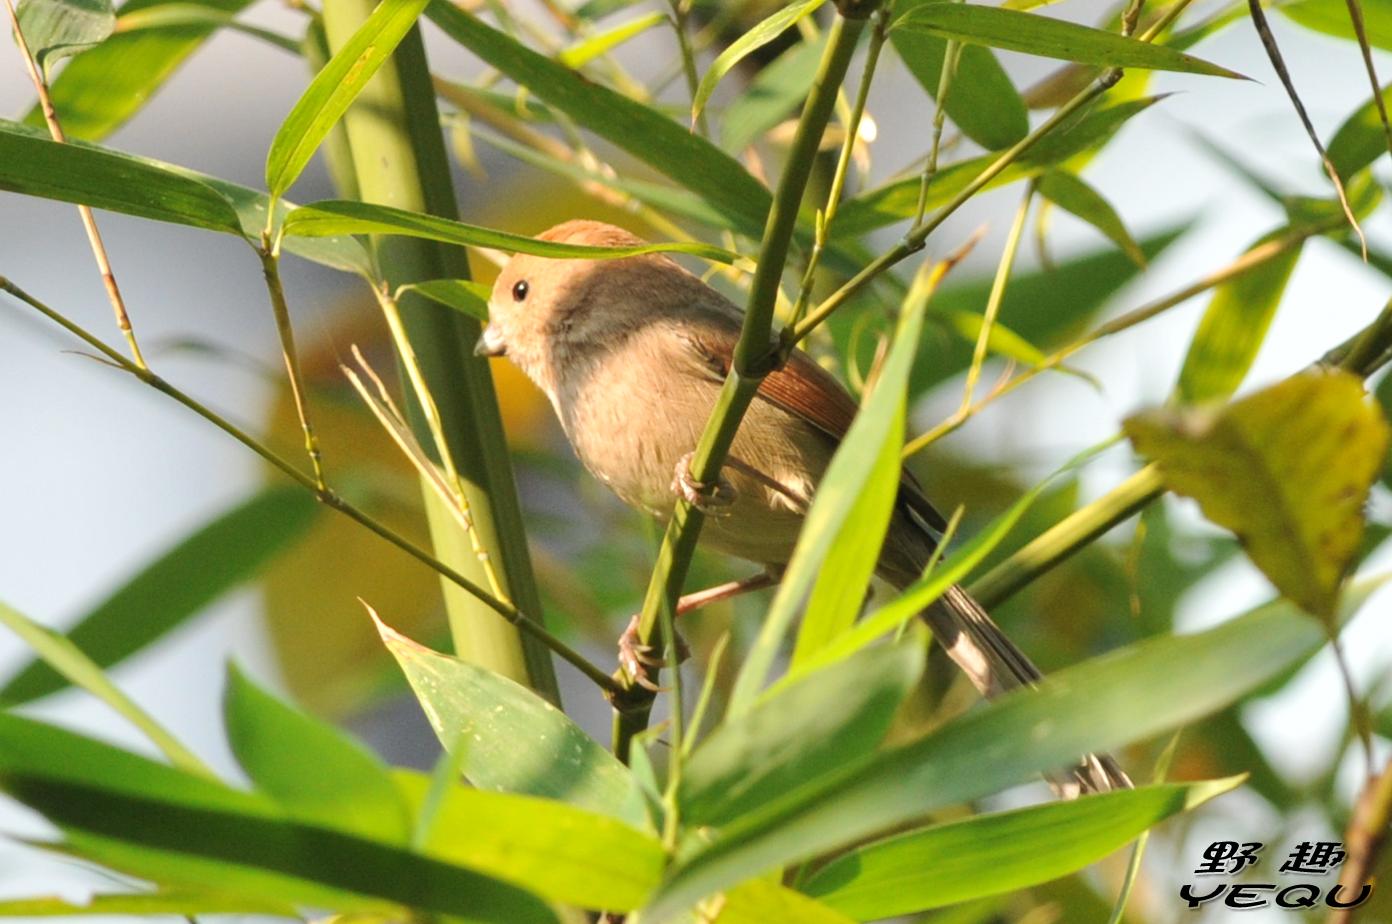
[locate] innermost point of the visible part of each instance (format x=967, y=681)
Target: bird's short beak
x=490, y=343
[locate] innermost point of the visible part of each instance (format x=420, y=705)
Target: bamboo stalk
x=399, y=160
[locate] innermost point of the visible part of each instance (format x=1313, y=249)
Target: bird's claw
x=636, y=659
x=710, y=499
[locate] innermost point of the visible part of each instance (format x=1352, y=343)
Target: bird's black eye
x=519, y=290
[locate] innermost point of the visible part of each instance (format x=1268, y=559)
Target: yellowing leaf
x=1286, y=469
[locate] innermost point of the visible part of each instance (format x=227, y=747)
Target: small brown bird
x=632, y=353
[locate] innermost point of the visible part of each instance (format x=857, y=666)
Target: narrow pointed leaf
x=164, y=825
x=1361, y=139
x=67, y=660
x=176, y=16
x=1234, y=327
x=180, y=902
x=1001, y=852
x=860, y=486
x=36, y=166
x=316, y=773
x=686, y=158
x=462, y=295
x=334, y=88
x=898, y=199
x=100, y=89
x=585, y=51
x=1129, y=695
x=981, y=101
x=799, y=732
x=771, y=96
x=1331, y=17
x=1070, y=193
x=513, y=740
x=770, y=28
x=559, y=851
x=54, y=29
x=1051, y=38
x=1287, y=469
x=101, y=177
x=335, y=217
x=760, y=901
x=168, y=591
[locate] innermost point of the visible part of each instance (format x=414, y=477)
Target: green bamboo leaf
x=1361, y=139
x=177, y=15
x=1000, y=340
x=317, y=774
x=175, y=829
x=1051, y=38
x=799, y=732
x=36, y=166
x=919, y=595
x=1331, y=17
x=334, y=88
x=1287, y=469
x=771, y=96
x=513, y=740
x=1070, y=193
x=1129, y=695
x=767, y=30
x=1001, y=852
x=221, y=555
x=670, y=200
x=760, y=901
x=683, y=156
x=586, y=50
x=333, y=217
x=898, y=199
x=101, y=178
x=181, y=902
x=66, y=659
x=55, y=29
x=857, y=493
x=561, y=852
x=462, y=295
x=1234, y=326
x=97, y=91
x=982, y=101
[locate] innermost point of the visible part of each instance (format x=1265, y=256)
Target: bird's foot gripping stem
x=710, y=499
x=637, y=659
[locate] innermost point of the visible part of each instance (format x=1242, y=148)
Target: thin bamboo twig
x=879, y=32
x=988, y=321
x=458, y=499
x=89, y=222
x=269, y=252
x=754, y=355
x=681, y=15
x=399, y=158
x=1278, y=63
x=951, y=55
x=327, y=496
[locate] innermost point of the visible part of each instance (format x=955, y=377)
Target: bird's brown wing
x=807, y=391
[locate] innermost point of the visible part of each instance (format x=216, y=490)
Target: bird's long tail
x=996, y=666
